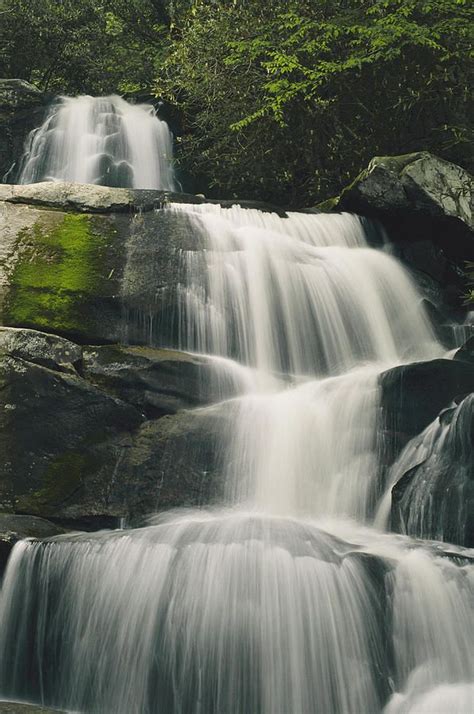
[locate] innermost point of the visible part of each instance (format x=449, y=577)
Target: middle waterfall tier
x=303, y=294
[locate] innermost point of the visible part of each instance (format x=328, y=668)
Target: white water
x=286, y=599
x=101, y=140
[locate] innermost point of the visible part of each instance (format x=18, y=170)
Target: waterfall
x=101, y=140
x=285, y=598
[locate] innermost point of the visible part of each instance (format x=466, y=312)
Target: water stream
x=285, y=599
x=101, y=140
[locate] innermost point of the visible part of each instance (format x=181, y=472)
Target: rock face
x=156, y=381
x=80, y=434
x=173, y=462
x=414, y=394
x=426, y=205
x=22, y=107
x=434, y=496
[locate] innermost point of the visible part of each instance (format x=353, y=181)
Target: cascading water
x=285, y=599
x=101, y=140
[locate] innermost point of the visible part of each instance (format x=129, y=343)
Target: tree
x=288, y=100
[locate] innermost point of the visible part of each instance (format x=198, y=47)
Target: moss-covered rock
x=93, y=277
x=60, y=272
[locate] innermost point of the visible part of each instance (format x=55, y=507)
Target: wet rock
x=434, y=497
x=92, y=198
x=91, y=277
x=74, y=438
x=174, y=462
x=47, y=350
x=14, y=528
x=19, y=708
x=157, y=381
x=414, y=394
x=58, y=435
x=466, y=352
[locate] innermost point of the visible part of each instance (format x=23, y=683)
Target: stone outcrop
x=96, y=268
x=157, y=381
x=414, y=394
x=92, y=434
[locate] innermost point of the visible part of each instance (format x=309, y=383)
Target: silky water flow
x=101, y=140
x=285, y=599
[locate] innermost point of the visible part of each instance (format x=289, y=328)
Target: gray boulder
x=174, y=462
x=47, y=350
x=80, y=437
x=419, y=183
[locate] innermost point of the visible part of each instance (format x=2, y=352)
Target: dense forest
x=282, y=101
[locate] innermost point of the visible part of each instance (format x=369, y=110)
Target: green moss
x=63, y=477
x=58, y=271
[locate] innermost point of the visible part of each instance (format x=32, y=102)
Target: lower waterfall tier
x=236, y=612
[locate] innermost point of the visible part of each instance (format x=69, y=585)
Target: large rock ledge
x=90, y=435
x=88, y=198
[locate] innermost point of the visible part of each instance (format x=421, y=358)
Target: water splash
x=101, y=140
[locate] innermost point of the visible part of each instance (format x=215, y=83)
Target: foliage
x=67, y=46
x=288, y=100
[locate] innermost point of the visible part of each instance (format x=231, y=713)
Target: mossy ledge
x=61, y=273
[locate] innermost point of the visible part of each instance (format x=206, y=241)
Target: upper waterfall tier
x=101, y=140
